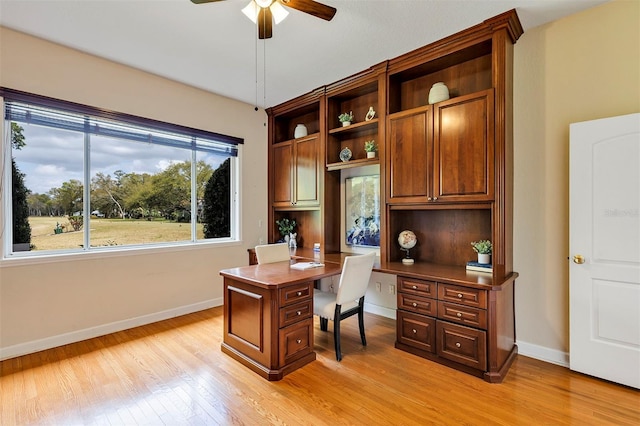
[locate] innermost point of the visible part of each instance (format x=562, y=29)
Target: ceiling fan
x=263, y=12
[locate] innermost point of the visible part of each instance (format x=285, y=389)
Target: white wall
x=48, y=302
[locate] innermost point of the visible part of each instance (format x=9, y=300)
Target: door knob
x=579, y=259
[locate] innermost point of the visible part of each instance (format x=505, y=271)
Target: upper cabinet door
x=307, y=171
x=409, y=156
x=282, y=169
x=463, y=144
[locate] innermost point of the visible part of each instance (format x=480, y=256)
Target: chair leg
x=336, y=337
x=336, y=331
x=361, y=324
x=324, y=322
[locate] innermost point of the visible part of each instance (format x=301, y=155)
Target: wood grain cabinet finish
x=296, y=170
x=442, y=152
x=270, y=330
x=446, y=172
x=464, y=327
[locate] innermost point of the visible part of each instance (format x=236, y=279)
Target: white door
x=604, y=246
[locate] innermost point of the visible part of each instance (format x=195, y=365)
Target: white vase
x=300, y=131
x=371, y=154
x=484, y=258
x=346, y=123
x=439, y=92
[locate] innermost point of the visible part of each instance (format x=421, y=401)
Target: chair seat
x=324, y=304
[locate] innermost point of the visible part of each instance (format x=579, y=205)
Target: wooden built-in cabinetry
x=447, y=170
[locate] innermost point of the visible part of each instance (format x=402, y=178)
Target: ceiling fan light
x=251, y=11
x=278, y=12
x=264, y=3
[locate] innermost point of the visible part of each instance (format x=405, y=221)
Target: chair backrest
x=354, y=280
x=269, y=253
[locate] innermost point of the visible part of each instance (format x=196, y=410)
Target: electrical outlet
x=392, y=289
x=378, y=287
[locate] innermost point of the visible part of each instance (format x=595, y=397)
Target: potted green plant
x=484, y=248
x=370, y=148
x=286, y=227
x=346, y=118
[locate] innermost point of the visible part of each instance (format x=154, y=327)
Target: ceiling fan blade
x=311, y=7
x=204, y=1
x=265, y=23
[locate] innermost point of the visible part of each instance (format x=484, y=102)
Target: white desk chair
x=269, y=253
x=349, y=300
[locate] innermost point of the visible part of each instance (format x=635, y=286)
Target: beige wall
x=44, y=303
x=583, y=67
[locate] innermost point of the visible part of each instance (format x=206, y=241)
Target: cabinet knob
x=298, y=341
x=459, y=315
x=458, y=345
x=415, y=331
x=459, y=295
x=415, y=304
x=429, y=198
x=300, y=293
x=415, y=287
x=579, y=259
x=435, y=198
x=298, y=313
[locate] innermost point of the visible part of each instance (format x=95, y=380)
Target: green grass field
x=107, y=232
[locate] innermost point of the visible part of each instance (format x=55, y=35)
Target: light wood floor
x=173, y=373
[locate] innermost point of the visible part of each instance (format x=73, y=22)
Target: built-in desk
x=268, y=316
x=446, y=314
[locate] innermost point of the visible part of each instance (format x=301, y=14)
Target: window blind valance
x=25, y=108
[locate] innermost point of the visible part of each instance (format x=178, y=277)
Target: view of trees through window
x=138, y=193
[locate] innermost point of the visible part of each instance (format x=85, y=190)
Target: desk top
x=280, y=274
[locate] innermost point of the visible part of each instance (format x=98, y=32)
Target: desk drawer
x=416, y=330
x=417, y=304
x=462, y=314
x=295, y=293
x=463, y=295
x=295, y=341
x=461, y=344
x=419, y=287
x=294, y=313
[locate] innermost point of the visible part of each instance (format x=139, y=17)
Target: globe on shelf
x=407, y=240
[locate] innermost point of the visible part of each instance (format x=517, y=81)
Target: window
x=83, y=179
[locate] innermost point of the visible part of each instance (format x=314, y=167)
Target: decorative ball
x=407, y=239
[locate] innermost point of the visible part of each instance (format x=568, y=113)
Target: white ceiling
x=214, y=46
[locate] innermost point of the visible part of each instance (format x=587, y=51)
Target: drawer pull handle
x=415, y=287
x=458, y=345
x=415, y=331
x=300, y=293
x=415, y=304
x=298, y=341
x=459, y=314
x=459, y=295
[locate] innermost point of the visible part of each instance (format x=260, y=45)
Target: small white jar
x=439, y=92
x=300, y=131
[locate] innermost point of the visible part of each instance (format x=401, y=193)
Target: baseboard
x=380, y=310
x=101, y=330
x=542, y=353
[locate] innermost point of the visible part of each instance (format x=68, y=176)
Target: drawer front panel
x=416, y=330
x=294, y=313
x=295, y=341
x=463, y=295
x=461, y=314
x=295, y=293
x=419, y=287
x=462, y=344
x=417, y=304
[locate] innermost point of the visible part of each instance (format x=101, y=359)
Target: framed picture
x=362, y=210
